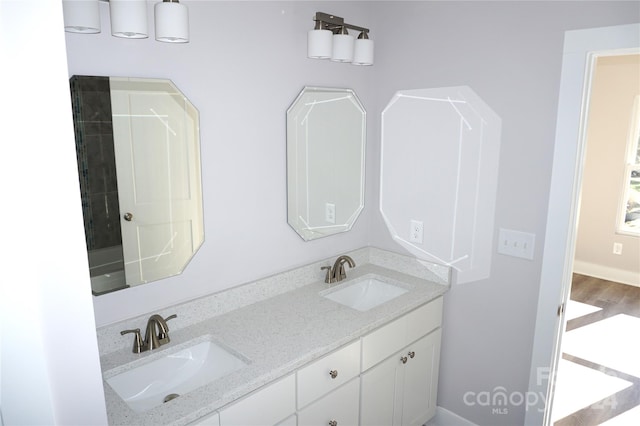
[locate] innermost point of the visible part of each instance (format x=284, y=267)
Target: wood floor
x=613, y=298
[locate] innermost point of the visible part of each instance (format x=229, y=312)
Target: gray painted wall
x=245, y=65
x=510, y=54
x=242, y=69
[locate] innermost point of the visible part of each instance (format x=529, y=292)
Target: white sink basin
x=364, y=294
x=173, y=375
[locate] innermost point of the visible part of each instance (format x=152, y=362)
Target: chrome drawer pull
x=411, y=354
x=404, y=359
x=333, y=423
x=333, y=373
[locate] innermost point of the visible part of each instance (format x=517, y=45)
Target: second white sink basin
x=364, y=293
x=170, y=376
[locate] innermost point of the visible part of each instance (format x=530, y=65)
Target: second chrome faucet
x=337, y=272
x=156, y=335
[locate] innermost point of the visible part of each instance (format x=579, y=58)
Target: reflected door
x=158, y=180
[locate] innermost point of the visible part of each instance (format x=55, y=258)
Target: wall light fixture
x=330, y=39
x=129, y=19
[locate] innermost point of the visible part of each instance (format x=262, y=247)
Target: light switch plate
x=516, y=243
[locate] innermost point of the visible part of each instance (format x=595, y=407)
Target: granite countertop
x=275, y=336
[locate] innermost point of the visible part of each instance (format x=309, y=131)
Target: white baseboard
x=445, y=417
x=606, y=273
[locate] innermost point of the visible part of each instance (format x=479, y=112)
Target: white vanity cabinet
x=400, y=379
x=388, y=377
x=267, y=406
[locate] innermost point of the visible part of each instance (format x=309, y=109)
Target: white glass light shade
x=172, y=22
x=319, y=44
x=363, y=52
x=128, y=18
x=342, y=48
x=81, y=16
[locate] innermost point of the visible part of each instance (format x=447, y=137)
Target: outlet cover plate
x=416, y=231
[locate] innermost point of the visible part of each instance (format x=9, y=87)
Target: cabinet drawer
x=390, y=338
x=340, y=406
x=266, y=406
x=328, y=373
x=424, y=320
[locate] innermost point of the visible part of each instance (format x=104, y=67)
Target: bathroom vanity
x=306, y=359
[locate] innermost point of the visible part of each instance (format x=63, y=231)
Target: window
x=629, y=221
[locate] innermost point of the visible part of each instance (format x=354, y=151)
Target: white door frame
x=557, y=264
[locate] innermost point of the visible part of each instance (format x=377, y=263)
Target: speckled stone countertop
x=276, y=336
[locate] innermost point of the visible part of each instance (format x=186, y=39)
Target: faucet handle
x=163, y=335
x=327, y=277
x=137, y=341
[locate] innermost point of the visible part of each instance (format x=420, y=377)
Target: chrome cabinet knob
x=411, y=354
x=404, y=359
x=333, y=423
x=333, y=373
x=128, y=217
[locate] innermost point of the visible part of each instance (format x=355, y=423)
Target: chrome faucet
x=337, y=273
x=157, y=334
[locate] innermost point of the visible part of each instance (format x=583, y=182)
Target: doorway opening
x=580, y=49
x=598, y=376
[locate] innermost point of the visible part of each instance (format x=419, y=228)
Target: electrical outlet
x=617, y=248
x=330, y=212
x=416, y=230
x=516, y=243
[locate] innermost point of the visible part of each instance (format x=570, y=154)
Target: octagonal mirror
x=138, y=150
x=439, y=163
x=325, y=161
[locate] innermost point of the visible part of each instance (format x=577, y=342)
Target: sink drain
x=170, y=397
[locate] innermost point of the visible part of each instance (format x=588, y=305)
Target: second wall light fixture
x=330, y=39
x=129, y=19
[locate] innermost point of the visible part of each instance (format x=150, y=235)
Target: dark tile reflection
x=96, y=160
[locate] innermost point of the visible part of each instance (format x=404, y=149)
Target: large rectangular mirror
x=138, y=149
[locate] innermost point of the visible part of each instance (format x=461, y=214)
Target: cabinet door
x=266, y=406
x=381, y=392
x=421, y=380
x=339, y=408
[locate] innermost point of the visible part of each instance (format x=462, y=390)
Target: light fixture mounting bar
x=332, y=22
